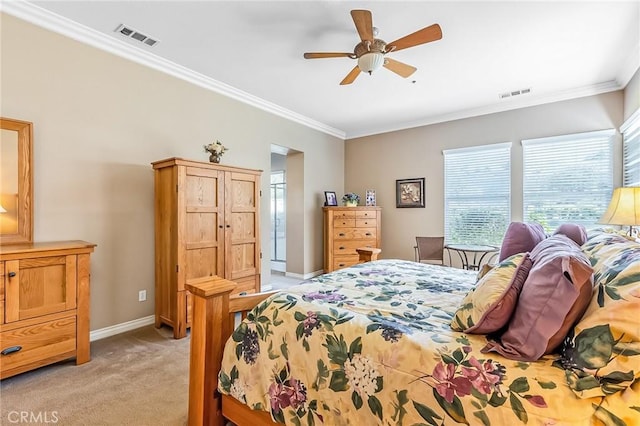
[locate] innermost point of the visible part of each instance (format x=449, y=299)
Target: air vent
x=136, y=35
x=514, y=93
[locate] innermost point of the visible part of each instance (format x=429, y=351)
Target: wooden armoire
x=207, y=222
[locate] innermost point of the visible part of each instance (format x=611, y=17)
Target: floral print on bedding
x=372, y=345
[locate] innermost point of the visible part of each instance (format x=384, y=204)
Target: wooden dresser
x=44, y=304
x=207, y=222
x=345, y=230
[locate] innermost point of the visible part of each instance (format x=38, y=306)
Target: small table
x=479, y=251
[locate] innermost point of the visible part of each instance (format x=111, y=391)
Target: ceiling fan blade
x=402, y=69
x=318, y=55
x=425, y=35
x=350, y=78
x=364, y=23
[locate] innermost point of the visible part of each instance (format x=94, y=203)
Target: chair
x=430, y=250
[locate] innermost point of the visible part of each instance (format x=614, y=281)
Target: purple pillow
x=554, y=296
x=520, y=238
x=574, y=231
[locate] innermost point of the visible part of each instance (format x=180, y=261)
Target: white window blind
x=631, y=136
x=567, y=178
x=477, y=194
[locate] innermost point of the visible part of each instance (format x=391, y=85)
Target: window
x=567, y=178
x=477, y=194
x=631, y=136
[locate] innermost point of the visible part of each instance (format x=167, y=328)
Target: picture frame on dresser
x=370, y=197
x=330, y=198
x=410, y=193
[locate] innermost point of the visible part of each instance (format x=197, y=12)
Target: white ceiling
x=560, y=50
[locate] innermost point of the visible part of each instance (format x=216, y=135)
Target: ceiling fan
x=371, y=51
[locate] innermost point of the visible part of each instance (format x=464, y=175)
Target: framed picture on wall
x=410, y=192
x=370, y=197
x=330, y=198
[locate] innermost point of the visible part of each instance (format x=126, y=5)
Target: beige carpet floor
x=135, y=378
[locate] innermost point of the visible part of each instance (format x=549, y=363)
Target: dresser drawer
x=366, y=223
x=340, y=262
x=245, y=285
x=354, y=234
x=40, y=344
x=366, y=214
x=349, y=247
x=344, y=214
x=344, y=223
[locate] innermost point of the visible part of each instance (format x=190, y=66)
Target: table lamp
x=624, y=208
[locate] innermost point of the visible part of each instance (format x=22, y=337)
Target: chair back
x=430, y=248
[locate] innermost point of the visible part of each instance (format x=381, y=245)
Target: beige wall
x=632, y=95
x=100, y=120
x=377, y=161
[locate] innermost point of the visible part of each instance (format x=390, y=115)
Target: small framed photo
x=410, y=192
x=370, y=197
x=330, y=198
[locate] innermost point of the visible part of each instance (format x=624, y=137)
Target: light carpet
x=136, y=378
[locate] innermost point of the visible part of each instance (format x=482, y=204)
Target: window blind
x=631, y=151
x=567, y=178
x=477, y=194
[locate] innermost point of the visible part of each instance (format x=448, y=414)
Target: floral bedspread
x=371, y=345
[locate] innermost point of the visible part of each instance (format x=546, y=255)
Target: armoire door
x=242, y=215
x=203, y=226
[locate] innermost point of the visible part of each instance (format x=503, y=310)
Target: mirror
x=16, y=181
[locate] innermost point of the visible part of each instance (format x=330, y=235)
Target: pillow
x=488, y=307
x=554, y=296
x=574, y=231
x=520, y=238
x=601, y=355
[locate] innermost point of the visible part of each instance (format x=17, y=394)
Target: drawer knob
x=10, y=350
x=368, y=234
x=341, y=248
x=342, y=264
x=11, y=274
x=341, y=234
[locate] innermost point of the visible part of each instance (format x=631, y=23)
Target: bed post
x=367, y=254
x=210, y=329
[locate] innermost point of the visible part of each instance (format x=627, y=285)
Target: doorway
x=278, y=200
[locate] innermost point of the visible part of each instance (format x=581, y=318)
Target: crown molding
x=629, y=68
x=511, y=104
x=43, y=18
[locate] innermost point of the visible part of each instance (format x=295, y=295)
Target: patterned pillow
x=488, y=307
x=553, y=298
x=601, y=355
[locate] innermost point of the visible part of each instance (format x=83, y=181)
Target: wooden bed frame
x=214, y=312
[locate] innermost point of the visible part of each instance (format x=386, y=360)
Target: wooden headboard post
x=211, y=326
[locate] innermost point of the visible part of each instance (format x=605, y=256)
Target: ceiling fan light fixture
x=371, y=61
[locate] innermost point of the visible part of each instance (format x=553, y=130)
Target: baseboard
x=121, y=328
x=304, y=276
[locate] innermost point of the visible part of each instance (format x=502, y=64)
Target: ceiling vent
x=514, y=93
x=136, y=35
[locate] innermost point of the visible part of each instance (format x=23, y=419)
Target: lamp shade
x=624, y=208
x=370, y=62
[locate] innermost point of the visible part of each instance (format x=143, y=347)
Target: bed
x=373, y=344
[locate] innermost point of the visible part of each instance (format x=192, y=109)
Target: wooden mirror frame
x=25, y=181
